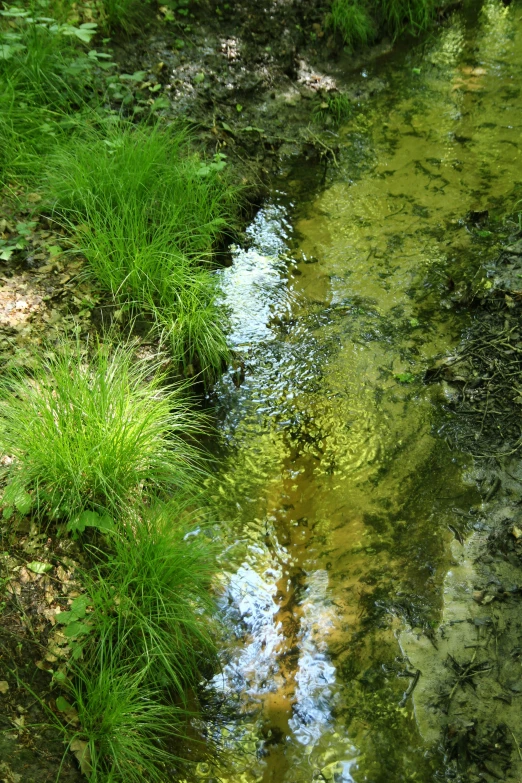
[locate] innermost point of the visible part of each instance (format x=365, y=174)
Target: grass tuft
x=359, y=22
x=147, y=641
x=332, y=108
x=45, y=80
x=151, y=595
x=124, y=724
x=150, y=215
x=92, y=433
x=353, y=20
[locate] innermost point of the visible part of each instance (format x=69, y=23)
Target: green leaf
x=24, y=503
x=405, y=377
x=63, y=705
x=76, y=629
x=8, y=512
x=199, y=77
x=137, y=76
x=39, y=568
x=64, y=617
x=90, y=519
x=160, y=103
x=414, y=323
x=239, y=108
x=79, y=605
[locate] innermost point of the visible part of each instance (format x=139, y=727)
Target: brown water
x=336, y=489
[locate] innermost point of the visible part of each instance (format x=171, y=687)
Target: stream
x=337, y=495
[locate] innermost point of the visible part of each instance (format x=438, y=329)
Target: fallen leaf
x=39, y=568
x=516, y=532
x=4, y=686
x=82, y=752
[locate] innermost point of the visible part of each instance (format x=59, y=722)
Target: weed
x=153, y=213
x=353, y=20
x=126, y=15
x=140, y=637
x=92, y=433
x=151, y=596
x=359, y=22
x=124, y=724
x=43, y=84
x=334, y=107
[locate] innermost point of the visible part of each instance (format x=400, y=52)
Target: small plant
x=334, y=108
x=126, y=15
x=359, y=22
x=151, y=596
x=140, y=638
x=44, y=79
x=154, y=213
x=122, y=724
x=92, y=433
x=353, y=20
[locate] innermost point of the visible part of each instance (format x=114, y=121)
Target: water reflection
x=337, y=493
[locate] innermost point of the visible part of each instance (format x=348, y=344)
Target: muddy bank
x=251, y=77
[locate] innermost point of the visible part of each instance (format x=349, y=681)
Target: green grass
x=93, y=433
x=148, y=642
x=150, y=214
x=359, y=22
x=353, y=20
x=151, y=595
x=126, y=15
x=45, y=80
x=334, y=108
x=124, y=723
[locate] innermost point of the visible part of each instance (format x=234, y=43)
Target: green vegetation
x=359, y=21
x=155, y=583
x=45, y=80
x=333, y=107
x=144, y=636
x=151, y=213
x=88, y=436
x=92, y=433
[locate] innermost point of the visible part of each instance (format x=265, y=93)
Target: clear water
x=335, y=490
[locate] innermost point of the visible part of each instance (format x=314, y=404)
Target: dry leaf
x=83, y=754
x=4, y=686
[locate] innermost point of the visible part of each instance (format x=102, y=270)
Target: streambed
x=337, y=493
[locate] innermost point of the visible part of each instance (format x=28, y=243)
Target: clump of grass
x=151, y=596
x=93, y=432
x=359, y=22
x=147, y=640
x=44, y=80
x=353, y=20
x=153, y=213
x=125, y=728
x=333, y=107
x=413, y=16
x=126, y=15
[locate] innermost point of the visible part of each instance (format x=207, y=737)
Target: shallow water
x=335, y=488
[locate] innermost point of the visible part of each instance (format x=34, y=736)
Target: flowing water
x=335, y=488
